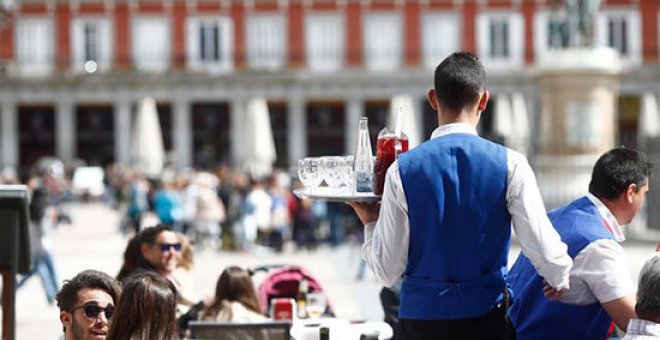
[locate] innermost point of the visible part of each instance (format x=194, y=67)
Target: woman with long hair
x=131, y=257
x=146, y=310
x=235, y=299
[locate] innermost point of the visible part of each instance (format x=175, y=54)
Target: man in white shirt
x=647, y=327
x=445, y=218
x=602, y=290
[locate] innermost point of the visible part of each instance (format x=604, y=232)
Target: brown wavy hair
x=146, y=310
x=234, y=284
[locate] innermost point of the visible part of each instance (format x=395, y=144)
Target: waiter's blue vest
x=536, y=317
x=460, y=227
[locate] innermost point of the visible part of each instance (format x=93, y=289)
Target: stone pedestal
x=578, y=89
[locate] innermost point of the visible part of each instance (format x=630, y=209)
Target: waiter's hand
x=657, y=246
x=552, y=294
x=367, y=212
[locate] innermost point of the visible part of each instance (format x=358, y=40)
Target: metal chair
x=210, y=330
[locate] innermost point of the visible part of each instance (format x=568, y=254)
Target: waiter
x=602, y=290
x=445, y=216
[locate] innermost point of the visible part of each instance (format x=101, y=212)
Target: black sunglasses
x=92, y=311
x=167, y=246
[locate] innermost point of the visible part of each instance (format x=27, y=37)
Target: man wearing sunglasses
x=87, y=303
x=160, y=250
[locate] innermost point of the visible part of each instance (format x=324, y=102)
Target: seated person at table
x=146, y=310
x=602, y=290
x=87, y=304
x=235, y=299
x=647, y=326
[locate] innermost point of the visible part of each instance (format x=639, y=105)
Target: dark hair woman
x=131, y=257
x=146, y=310
x=235, y=299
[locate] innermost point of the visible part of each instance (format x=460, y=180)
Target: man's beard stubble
x=77, y=330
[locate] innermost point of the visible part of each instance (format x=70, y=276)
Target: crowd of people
x=227, y=209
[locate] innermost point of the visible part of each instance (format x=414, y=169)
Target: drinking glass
x=315, y=305
x=308, y=172
x=331, y=171
x=347, y=170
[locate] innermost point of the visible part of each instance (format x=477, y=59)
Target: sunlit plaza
x=111, y=102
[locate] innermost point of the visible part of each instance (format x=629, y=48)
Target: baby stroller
x=283, y=281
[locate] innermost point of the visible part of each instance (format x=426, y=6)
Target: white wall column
x=182, y=141
x=296, y=128
x=65, y=131
x=123, y=132
x=236, y=118
x=354, y=109
x=8, y=134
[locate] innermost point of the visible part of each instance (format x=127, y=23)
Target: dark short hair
x=616, y=170
x=458, y=81
x=648, y=290
x=147, y=310
x=149, y=235
x=91, y=279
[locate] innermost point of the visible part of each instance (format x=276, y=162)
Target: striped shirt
x=642, y=330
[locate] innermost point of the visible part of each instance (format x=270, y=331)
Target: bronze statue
x=581, y=19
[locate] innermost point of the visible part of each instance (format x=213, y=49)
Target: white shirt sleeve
x=539, y=241
x=386, y=241
x=600, y=274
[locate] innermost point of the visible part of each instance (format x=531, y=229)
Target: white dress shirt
x=600, y=271
x=642, y=330
x=386, y=241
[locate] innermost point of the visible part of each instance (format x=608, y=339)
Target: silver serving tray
x=342, y=194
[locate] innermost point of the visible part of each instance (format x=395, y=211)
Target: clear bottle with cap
x=301, y=299
x=363, y=164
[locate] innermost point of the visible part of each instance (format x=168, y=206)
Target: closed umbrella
x=148, y=150
x=520, y=138
x=649, y=121
x=257, y=151
x=404, y=103
x=502, y=125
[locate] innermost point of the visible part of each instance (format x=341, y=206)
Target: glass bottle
x=324, y=333
x=301, y=299
x=363, y=166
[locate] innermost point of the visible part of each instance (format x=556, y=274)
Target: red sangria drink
x=389, y=146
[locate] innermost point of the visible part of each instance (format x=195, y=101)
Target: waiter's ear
x=433, y=99
x=483, y=100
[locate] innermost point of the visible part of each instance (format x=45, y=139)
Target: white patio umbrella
x=502, y=121
x=257, y=148
x=648, y=125
x=148, y=151
x=520, y=138
x=410, y=127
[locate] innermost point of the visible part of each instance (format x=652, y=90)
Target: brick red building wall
x=295, y=11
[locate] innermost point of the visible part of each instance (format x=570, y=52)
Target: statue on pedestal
x=580, y=21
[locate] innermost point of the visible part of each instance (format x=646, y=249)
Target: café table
x=340, y=329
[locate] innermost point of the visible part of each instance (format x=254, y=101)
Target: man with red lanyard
x=602, y=292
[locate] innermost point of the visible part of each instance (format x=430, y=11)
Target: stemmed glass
x=347, y=170
x=309, y=172
x=315, y=305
